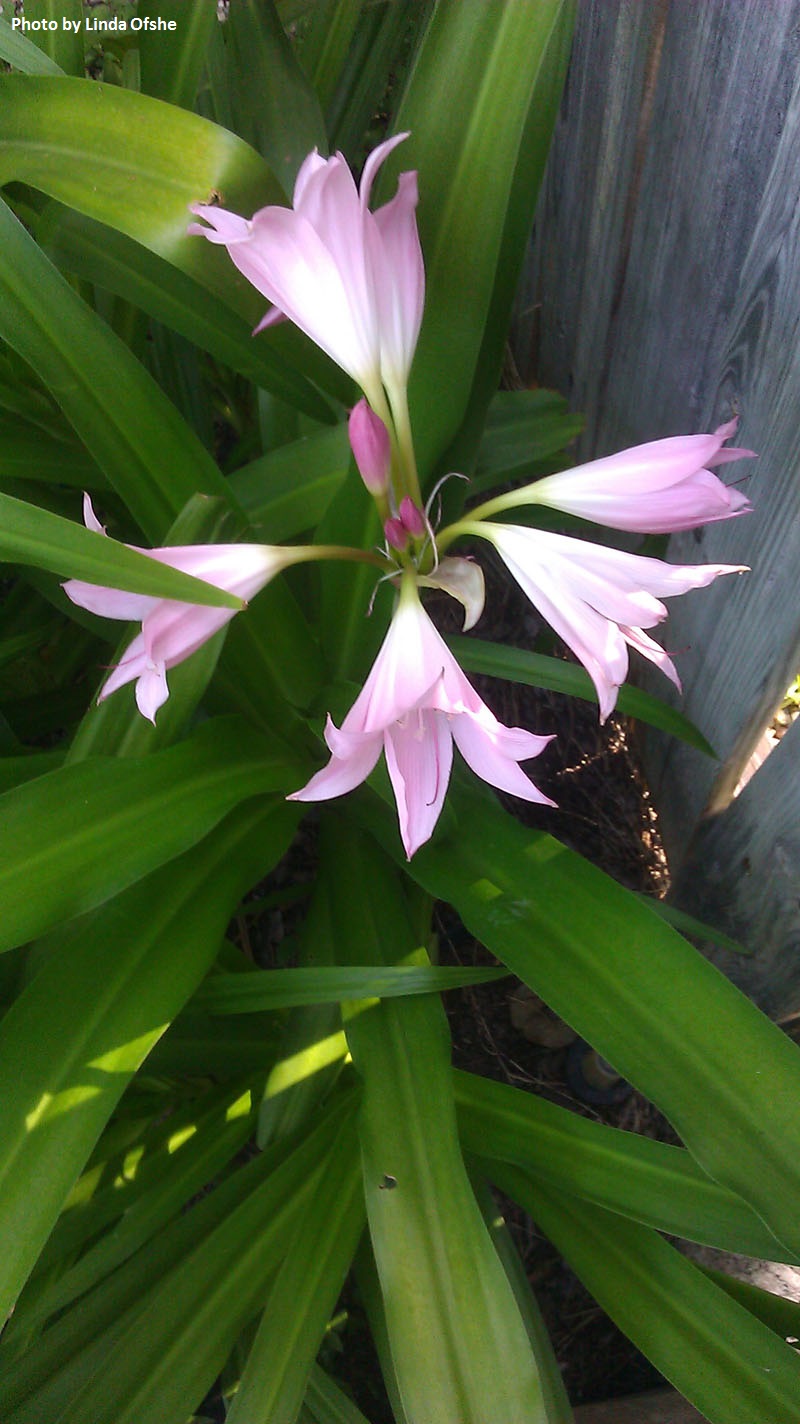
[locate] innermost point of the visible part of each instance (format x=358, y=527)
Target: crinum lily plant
x=353, y=280
x=232, y=1142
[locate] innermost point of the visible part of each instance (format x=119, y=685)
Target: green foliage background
x=140, y=1052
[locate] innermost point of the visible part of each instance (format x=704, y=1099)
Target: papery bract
x=351, y=279
x=172, y=631
x=462, y=579
x=657, y=488
x=414, y=704
x=598, y=600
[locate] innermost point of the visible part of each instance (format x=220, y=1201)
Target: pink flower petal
x=598, y=600
x=352, y=280
x=342, y=774
x=90, y=518
x=485, y=755
x=374, y=161
x=132, y=666
x=311, y=165
x=173, y=630
x=415, y=701
x=399, y=275
x=419, y=756
x=151, y=690
x=109, y=602
x=658, y=487
x=649, y=648
x=224, y=227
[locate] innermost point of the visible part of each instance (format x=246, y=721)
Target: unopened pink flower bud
x=369, y=440
x=396, y=534
x=412, y=518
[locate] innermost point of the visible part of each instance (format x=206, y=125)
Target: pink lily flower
x=598, y=600
x=657, y=488
x=172, y=631
x=414, y=704
x=351, y=279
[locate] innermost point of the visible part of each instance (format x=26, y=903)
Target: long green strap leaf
x=499, y=60
x=289, y=489
x=537, y=670
x=62, y=42
x=150, y=455
x=22, y=54
x=29, y=535
x=779, y=1313
x=326, y=1403
x=149, y=160
x=87, y=248
x=171, y=61
x=75, y=837
x=713, y=1350
x=522, y=428
x=75, y=1348
x=29, y=453
x=178, y=1341
x=518, y=221
x=553, y=1387
x=304, y=1293
x=326, y=43
x=651, y=1182
x=635, y=990
x=286, y=988
x=460, y=1349
x=313, y=1045
x=273, y=105
x=141, y=1206
x=73, y=1038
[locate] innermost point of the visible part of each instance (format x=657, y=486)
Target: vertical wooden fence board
x=678, y=345
x=573, y=272
x=742, y=874
x=745, y=639
x=725, y=77
x=665, y=282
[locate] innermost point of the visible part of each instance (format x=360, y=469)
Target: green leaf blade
x=712, y=1349
x=537, y=670
x=77, y=836
x=638, y=992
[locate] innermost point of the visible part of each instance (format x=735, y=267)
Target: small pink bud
x=396, y=534
x=413, y=519
x=369, y=440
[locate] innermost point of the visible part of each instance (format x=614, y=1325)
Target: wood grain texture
x=663, y=294
x=744, y=640
x=742, y=874
x=573, y=273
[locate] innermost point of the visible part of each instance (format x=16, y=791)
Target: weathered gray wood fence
x=663, y=294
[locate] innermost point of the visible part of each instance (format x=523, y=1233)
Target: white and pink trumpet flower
x=172, y=631
x=414, y=704
x=351, y=279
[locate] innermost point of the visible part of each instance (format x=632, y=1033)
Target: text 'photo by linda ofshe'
x=94, y=24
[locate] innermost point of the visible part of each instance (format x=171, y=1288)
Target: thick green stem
x=309, y=553
x=409, y=479
x=448, y=536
